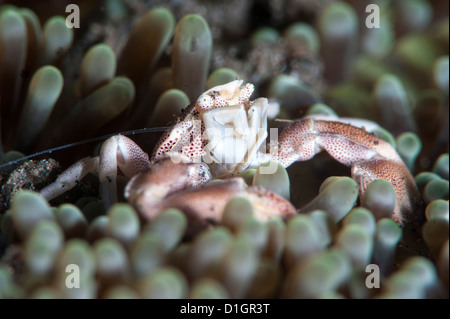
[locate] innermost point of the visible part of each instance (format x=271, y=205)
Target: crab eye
x=205, y=102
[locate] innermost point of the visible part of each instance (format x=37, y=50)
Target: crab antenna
x=308, y=102
x=5, y=166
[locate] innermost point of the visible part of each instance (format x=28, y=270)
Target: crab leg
x=347, y=144
x=369, y=156
x=166, y=185
x=398, y=175
x=117, y=152
x=70, y=177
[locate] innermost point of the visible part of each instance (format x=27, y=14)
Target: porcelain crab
x=219, y=136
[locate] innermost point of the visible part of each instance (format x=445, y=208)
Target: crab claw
x=232, y=93
x=369, y=157
x=406, y=192
x=167, y=176
x=154, y=191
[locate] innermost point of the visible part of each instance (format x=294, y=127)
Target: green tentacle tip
x=289, y=88
x=45, y=293
x=57, y=39
x=390, y=86
x=121, y=292
x=237, y=210
x=146, y=43
x=71, y=220
x=98, y=228
x=409, y=147
x=388, y=232
x=367, y=70
x=331, y=295
x=170, y=227
x=8, y=288
x=422, y=273
x=99, y=107
x=13, y=44
x=327, y=182
x=123, y=223
x=164, y=15
x=386, y=136
x=321, y=109
x=441, y=166
x=191, y=54
x=338, y=19
x=302, y=239
x=221, y=76
x=436, y=189
x=266, y=281
x=77, y=252
x=325, y=225
x=437, y=209
x=390, y=97
x=45, y=88
x=27, y=209
x=170, y=105
x=116, y=9
x=111, y=260
x=357, y=244
x=321, y=274
x=265, y=35
x=97, y=68
x=147, y=255
x=399, y=286
x=379, y=198
x=15, y=22
x=192, y=26
x=248, y=175
x=49, y=232
x=363, y=217
x=387, y=237
x=208, y=249
x=415, y=15
x=435, y=231
x=440, y=73
x=255, y=231
x=34, y=35
x=207, y=288
x=238, y=267
x=164, y=283
x=42, y=247
x=303, y=33
x=278, y=181
x=11, y=156
x=378, y=42
x=424, y=178
x=125, y=83
x=5, y=7
x=410, y=50
x=337, y=199
x=356, y=106
x=276, y=239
